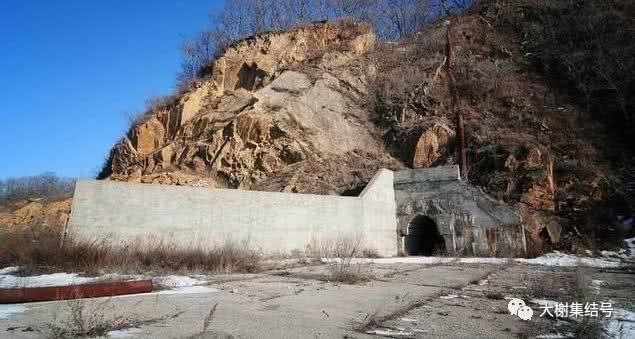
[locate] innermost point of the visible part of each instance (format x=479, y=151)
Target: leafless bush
x=341, y=258
x=40, y=250
x=368, y=252
x=158, y=102
x=87, y=319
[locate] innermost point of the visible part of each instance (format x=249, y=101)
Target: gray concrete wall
x=464, y=214
x=274, y=223
x=440, y=173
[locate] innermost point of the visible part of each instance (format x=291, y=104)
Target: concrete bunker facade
x=414, y=212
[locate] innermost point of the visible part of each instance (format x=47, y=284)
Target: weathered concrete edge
x=441, y=173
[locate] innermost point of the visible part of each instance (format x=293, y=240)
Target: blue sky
x=70, y=68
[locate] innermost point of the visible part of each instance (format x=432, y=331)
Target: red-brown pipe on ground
x=93, y=290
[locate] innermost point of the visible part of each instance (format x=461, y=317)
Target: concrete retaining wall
x=275, y=223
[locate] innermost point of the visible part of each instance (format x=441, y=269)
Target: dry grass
x=341, y=258
x=40, y=251
x=86, y=319
x=95, y=318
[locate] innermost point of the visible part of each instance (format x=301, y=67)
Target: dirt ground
x=400, y=300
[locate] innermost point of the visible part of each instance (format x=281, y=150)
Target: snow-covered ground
x=177, y=281
x=556, y=258
x=55, y=279
x=567, y=260
x=621, y=324
x=125, y=333
x=7, y=311
x=179, y=284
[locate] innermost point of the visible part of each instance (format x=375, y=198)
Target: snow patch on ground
x=621, y=324
x=555, y=336
x=403, y=260
x=449, y=296
x=129, y=332
x=7, y=311
x=9, y=270
x=478, y=260
x=55, y=279
x=188, y=290
x=567, y=260
x=558, y=259
x=597, y=284
x=177, y=281
x=390, y=333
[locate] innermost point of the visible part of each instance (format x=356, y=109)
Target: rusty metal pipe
x=92, y=290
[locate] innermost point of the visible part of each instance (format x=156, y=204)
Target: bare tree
x=45, y=185
x=392, y=19
x=407, y=17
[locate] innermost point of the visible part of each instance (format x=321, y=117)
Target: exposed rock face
x=432, y=145
x=253, y=62
x=271, y=101
x=50, y=213
x=523, y=175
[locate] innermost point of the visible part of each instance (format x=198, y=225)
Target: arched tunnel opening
x=423, y=237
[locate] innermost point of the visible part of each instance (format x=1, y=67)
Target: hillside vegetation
x=543, y=87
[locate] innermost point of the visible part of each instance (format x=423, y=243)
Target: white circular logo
x=514, y=305
x=525, y=313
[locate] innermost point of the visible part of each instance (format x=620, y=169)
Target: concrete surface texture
x=419, y=301
x=272, y=222
x=293, y=303
x=418, y=212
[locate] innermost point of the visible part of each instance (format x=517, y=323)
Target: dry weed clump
x=86, y=319
x=96, y=318
x=38, y=251
x=341, y=258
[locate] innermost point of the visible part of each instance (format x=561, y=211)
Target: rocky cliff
x=278, y=111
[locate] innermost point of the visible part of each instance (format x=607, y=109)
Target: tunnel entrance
x=423, y=237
